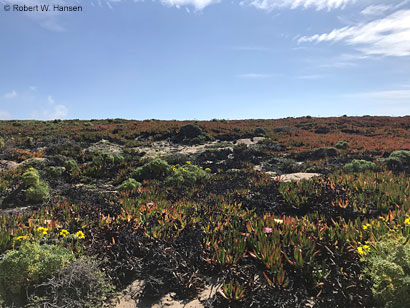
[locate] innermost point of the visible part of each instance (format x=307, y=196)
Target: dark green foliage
x=342, y=145
x=398, y=160
x=71, y=167
x=54, y=172
x=259, y=131
x=360, y=165
x=192, y=134
x=155, y=169
x=31, y=264
x=388, y=265
x=79, y=285
x=285, y=165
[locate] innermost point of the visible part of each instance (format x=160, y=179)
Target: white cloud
x=4, y=115
x=389, y=36
x=375, y=10
x=10, y=95
x=51, y=111
x=254, y=76
x=310, y=77
x=197, y=4
x=387, y=95
x=59, y=112
x=50, y=100
x=385, y=102
x=293, y=4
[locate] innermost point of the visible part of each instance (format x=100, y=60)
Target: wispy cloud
x=51, y=111
x=250, y=48
x=381, y=9
x=270, y=5
x=10, y=95
x=255, y=76
x=387, y=95
x=310, y=77
x=197, y=4
x=389, y=36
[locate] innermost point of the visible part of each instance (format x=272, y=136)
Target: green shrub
x=388, y=265
x=37, y=193
x=186, y=175
x=155, y=169
x=398, y=160
x=81, y=284
x=1, y=143
x=71, y=167
x=31, y=264
x=260, y=131
x=31, y=177
x=359, y=165
x=342, y=145
x=54, y=172
x=129, y=185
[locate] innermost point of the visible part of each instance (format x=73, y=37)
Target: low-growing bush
x=54, y=172
x=79, y=285
x=31, y=177
x=129, y=185
x=37, y=193
x=1, y=143
x=186, y=175
x=342, y=145
x=155, y=169
x=398, y=160
x=71, y=167
x=31, y=264
x=388, y=266
x=359, y=165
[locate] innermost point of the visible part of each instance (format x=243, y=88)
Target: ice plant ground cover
x=181, y=220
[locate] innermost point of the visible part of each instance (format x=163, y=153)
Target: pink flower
x=150, y=203
x=268, y=230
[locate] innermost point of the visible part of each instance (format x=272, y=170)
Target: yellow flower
x=207, y=169
x=366, y=226
x=188, y=162
x=360, y=250
x=80, y=234
x=42, y=230
x=21, y=237
x=278, y=221
x=64, y=233
x=407, y=221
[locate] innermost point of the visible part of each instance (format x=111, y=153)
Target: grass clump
x=31, y=264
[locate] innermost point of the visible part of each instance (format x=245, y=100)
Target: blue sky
x=204, y=59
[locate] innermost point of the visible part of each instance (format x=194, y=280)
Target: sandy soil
x=130, y=298
x=296, y=176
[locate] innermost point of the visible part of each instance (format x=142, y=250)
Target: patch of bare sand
x=296, y=176
x=161, y=148
x=130, y=298
x=249, y=141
